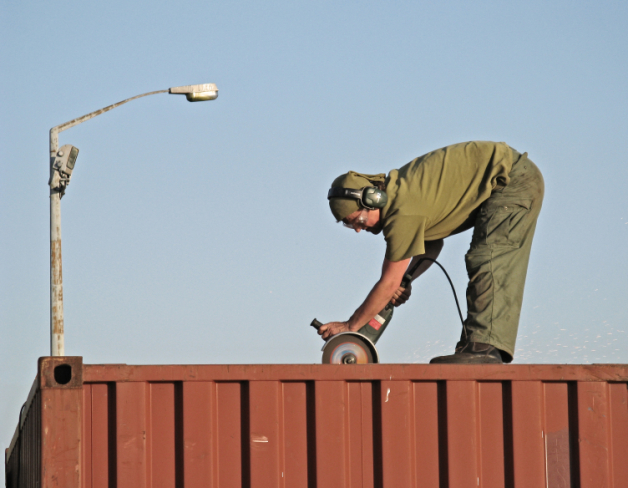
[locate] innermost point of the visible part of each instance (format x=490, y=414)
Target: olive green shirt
x=435, y=195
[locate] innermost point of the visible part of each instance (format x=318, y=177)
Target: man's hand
x=332, y=328
x=401, y=295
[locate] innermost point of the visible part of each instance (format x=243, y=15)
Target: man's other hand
x=332, y=328
x=401, y=295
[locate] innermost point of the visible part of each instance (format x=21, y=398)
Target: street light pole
x=61, y=167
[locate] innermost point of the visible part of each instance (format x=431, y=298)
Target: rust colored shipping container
x=378, y=425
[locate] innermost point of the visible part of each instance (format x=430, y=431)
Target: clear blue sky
x=200, y=233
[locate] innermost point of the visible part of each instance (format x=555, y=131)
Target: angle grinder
x=359, y=347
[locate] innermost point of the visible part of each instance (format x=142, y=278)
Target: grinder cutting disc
x=348, y=348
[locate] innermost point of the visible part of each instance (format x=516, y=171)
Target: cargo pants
x=497, y=261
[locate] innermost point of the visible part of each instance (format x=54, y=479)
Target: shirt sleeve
x=405, y=236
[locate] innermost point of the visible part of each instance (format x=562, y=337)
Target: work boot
x=471, y=353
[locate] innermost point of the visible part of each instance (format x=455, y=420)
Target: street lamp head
x=196, y=93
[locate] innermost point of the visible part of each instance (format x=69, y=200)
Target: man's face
x=368, y=220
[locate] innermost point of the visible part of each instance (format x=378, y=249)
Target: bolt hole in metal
x=63, y=374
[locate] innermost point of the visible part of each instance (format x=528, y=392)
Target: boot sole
x=473, y=359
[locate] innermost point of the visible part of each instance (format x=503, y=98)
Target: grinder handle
x=316, y=324
x=407, y=279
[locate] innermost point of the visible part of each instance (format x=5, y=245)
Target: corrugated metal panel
x=350, y=426
x=26, y=445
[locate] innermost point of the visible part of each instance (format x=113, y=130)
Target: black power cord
x=412, y=270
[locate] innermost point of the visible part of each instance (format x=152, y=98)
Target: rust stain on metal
x=57, y=326
x=56, y=292
x=55, y=259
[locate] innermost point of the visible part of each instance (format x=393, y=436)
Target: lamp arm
x=79, y=120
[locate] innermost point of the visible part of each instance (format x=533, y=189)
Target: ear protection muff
x=368, y=197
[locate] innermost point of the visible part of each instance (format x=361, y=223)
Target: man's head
x=343, y=206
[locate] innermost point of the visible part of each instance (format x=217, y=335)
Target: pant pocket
x=501, y=223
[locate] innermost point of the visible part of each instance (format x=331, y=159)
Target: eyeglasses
x=360, y=222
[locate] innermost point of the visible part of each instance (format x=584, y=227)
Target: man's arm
x=386, y=289
x=380, y=295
